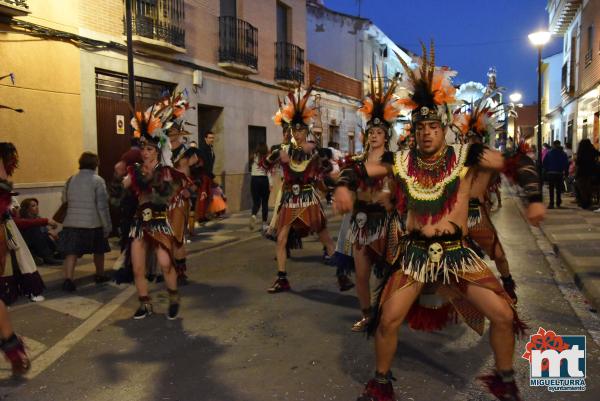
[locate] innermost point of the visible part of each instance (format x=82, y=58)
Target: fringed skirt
x=378, y=230
x=151, y=224
x=303, y=212
x=474, y=215
x=446, y=268
x=178, y=215
x=343, y=258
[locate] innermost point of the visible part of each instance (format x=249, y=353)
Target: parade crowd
x=417, y=218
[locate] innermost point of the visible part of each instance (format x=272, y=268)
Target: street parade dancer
x=294, y=241
x=183, y=158
x=303, y=165
x=435, y=181
x=11, y=345
x=477, y=122
x=374, y=212
x=155, y=182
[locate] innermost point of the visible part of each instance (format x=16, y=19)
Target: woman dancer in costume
x=374, y=212
x=183, y=158
x=154, y=182
x=477, y=123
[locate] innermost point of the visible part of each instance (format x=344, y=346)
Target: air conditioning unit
x=197, y=78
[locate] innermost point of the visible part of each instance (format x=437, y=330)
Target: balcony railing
x=588, y=57
x=238, y=45
x=159, y=20
x=14, y=8
x=289, y=63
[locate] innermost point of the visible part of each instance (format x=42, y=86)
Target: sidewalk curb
x=589, y=286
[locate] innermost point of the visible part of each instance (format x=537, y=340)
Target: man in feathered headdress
x=435, y=180
x=303, y=165
x=477, y=122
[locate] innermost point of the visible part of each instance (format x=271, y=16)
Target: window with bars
x=114, y=85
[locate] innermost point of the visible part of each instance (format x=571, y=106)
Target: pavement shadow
x=203, y=296
x=157, y=343
x=329, y=297
x=420, y=352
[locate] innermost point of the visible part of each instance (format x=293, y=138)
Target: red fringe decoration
x=434, y=218
x=431, y=319
x=519, y=326
x=401, y=200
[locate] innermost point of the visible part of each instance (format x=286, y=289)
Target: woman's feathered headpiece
x=480, y=118
x=152, y=125
x=380, y=107
x=294, y=111
x=428, y=89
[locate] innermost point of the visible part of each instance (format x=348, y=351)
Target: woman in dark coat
x=586, y=168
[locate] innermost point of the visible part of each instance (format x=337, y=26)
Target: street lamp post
x=130, y=73
x=539, y=39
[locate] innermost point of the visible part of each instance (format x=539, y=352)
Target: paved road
x=235, y=342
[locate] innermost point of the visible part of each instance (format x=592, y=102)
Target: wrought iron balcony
x=588, y=57
x=561, y=14
x=159, y=23
x=14, y=8
x=289, y=64
x=238, y=45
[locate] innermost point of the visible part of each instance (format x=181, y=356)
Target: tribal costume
x=179, y=207
x=304, y=165
x=157, y=191
x=477, y=122
x=373, y=212
x=443, y=263
x=300, y=204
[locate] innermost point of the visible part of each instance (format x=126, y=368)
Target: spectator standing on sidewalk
x=586, y=167
x=87, y=224
x=556, y=166
x=35, y=232
x=207, y=155
x=261, y=185
x=545, y=150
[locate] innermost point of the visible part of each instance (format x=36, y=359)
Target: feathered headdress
x=428, y=89
x=294, y=111
x=380, y=107
x=152, y=125
x=480, y=118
